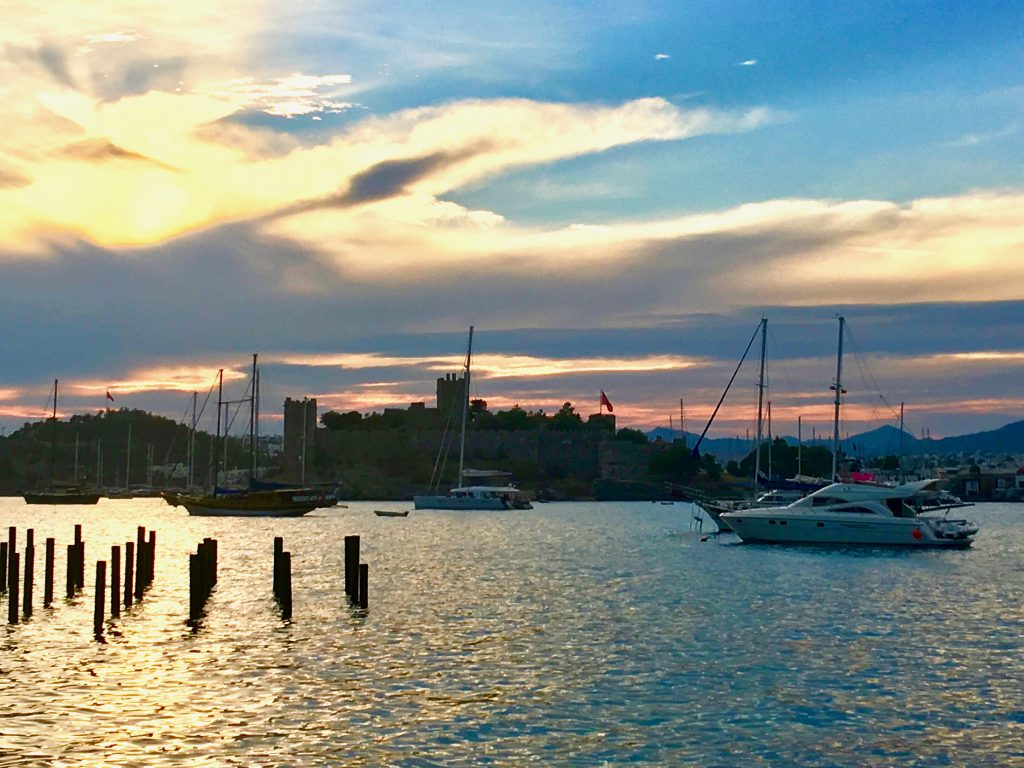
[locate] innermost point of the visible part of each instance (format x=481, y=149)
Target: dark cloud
x=50, y=58
x=10, y=179
x=103, y=150
x=138, y=77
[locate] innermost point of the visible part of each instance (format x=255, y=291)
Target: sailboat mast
x=192, y=444
x=839, y=392
x=128, y=457
x=252, y=425
x=760, y=404
x=769, y=439
x=901, y=444
x=215, y=453
x=76, y=458
x=465, y=404
x=799, y=445
x=55, y=399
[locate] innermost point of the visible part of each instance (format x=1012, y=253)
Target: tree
x=631, y=436
x=339, y=421
x=566, y=419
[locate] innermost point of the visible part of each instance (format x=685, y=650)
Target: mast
x=769, y=439
x=465, y=404
x=799, y=445
x=53, y=440
x=215, y=453
x=901, y=444
x=760, y=404
x=682, y=421
x=838, y=387
x=256, y=432
x=128, y=457
x=252, y=425
x=76, y=458
x=192, y=444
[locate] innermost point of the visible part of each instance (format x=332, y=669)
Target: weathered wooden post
x=278, y=549
x=3, y=566
x=364, y=598
x=352, y=567
x=51, y=546
x=129, y=572
x=12, y=595
x=101, y=596
x=72, y=571
x=30, y=564
x=140, y=562
x=195, y=603
x=151, y=559
x=286, y=585
x=115, y=580
x=79, y=558
x=12, y=548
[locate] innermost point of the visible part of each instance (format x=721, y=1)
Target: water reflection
x=571, y=634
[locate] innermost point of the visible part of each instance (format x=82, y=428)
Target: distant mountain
x=884, y=441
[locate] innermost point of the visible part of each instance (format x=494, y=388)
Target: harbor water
x=580, y=634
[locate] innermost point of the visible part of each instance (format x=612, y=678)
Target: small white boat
x=475, y=497
x=852, y=513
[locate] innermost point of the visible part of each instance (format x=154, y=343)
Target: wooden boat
x=391, y=513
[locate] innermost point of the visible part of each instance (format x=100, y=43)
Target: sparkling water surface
x=579, y=634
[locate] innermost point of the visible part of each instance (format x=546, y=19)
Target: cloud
x=977, y=139
x=100, y=150
x=746, y=63
x=661, y=57
x=289, y=96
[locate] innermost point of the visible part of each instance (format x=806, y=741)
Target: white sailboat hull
x=457, y=502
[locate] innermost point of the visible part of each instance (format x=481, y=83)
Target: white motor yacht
x=853, y=513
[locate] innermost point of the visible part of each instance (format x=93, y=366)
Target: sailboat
x=479, y=495
x=72, y=493
x=854, y=513
x=258, y=499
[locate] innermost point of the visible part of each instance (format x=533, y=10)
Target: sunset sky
x=613, y=194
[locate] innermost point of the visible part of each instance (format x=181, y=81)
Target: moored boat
x=854, y=514
x=70, y=495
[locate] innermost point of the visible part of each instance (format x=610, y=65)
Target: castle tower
x=451, y=394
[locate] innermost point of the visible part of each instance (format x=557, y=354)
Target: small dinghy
x=390, y=513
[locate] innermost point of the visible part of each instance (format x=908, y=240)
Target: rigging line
x=865, y=370
x=700, y=439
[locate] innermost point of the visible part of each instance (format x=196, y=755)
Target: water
x=572, y=634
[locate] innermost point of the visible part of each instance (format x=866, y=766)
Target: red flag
x=110, y=397
x=605, y=402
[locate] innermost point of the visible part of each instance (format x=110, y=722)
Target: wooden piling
x=364, y=598
x=51, y=546
x=140, y=562
x=129, y=572
x=12, y=548
x=72, y=571
x=12, y=584
x=3, y=566
x=151, y=559
x=30, y=564
x=115, y=581
x=286, y=585
x=195, y=603
x=278, y=549
x=79, y=558
x=352, y=567
x=101, y=596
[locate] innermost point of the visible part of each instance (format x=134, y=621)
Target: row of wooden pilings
x=138, y=574
x=139, y=570
x=356, y=576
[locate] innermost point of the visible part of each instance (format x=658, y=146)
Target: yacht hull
x=781, y=528
x=256, y=503
x=61, y=498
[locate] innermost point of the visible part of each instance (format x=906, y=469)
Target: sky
x=612, y=194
